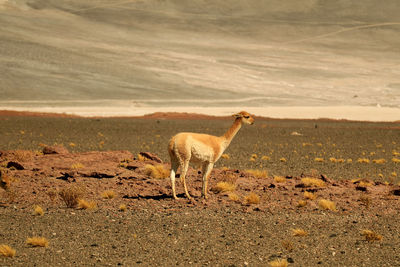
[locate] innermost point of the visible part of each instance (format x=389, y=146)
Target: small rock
x=396, y=191
x=15, y=164
x=151, y=156
x=361, y=188
x=55, y=150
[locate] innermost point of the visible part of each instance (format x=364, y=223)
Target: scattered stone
x=396, y=191
x=55, y=150
x=99, y=175
x=151, y=156
x=132, y=167
x=15, y=164
x=361, y=188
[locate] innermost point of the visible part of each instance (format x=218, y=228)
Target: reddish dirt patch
x=119, y=171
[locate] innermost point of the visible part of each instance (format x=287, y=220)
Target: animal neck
x=230, y=134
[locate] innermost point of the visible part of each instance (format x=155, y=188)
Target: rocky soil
x=226, y=230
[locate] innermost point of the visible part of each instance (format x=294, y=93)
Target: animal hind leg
x=184, y=169
x=174, y=168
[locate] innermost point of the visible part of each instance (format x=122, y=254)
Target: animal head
x=244, y=116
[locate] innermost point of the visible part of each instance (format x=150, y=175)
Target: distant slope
x=204, y=53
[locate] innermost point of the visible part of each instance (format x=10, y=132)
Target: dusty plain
x=158, y=231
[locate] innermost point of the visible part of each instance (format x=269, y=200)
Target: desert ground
x=355, y=165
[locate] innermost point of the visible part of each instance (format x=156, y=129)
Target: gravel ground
x=161, y=232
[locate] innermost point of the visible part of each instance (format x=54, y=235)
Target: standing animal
x=201, y=148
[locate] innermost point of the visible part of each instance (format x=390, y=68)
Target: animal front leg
x=184, y=169
x=207, y=168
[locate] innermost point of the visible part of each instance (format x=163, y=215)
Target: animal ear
x=237, y=115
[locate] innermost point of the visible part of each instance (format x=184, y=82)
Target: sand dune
x=194, y=53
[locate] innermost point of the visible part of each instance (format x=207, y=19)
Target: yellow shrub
x=278, y=263
x=363, y=160
x=279, y=179
x=84, y=205
x=309, y=195
x=122, y=207
x=37, y=242
x=327, y=205
x=37, y=210
x=225, y=156
x=319, y=159
x=299, y=232
x=108, y=194
x=396, y=160
x=301, y=203
x=252, y=198
x=234, y=197
x=379, y=161
x=156, y=171
x=6, y=251
x=365, y=183
x=308, y=182
x=77, y=166
x=224, y=187
x=258, y=173
x=265, y=158
x=371, y=236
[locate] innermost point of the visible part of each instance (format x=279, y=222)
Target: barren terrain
x=97, y=155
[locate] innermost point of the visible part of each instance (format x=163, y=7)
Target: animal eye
x=246, y=117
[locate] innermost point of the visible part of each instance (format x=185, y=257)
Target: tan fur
x=201, y=148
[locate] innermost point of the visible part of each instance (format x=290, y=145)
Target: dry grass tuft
x=309, y=195
x=363, y=160
x=265, y=158
x=258, y=173
x=37, y=242
x=278, y=263
x=299, y=232
x=309, y=182
x=234, y=197
x=282, y=159
x=301, y=203
x=280, y=179
x=37, y=210
x=225, y=156
x=396, y=160
x=319, y=160
x=327, y=205
x=371, y=236
x=141, y=158
x=122, y=207
x=379, y=161
x=6, y=251
x=70, y=196
x=85, y=205
x=108, y=194
x=222, y=187
x=251, y=198
x=156, y=171
x=366, y=183
x=77, y=166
